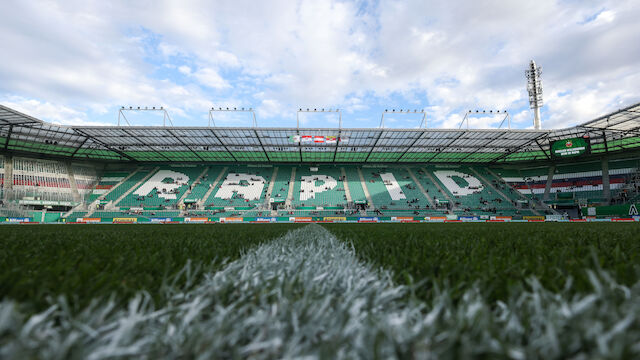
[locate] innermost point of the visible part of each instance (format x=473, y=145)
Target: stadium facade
x=54, y=173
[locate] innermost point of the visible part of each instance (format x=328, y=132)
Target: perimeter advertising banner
x=198, y=219
x=334, y=218
x=160, y=220
x=301, y=219
x=228, y=220
x=570, y=147
x=266, y=219
x=533, y=218
x=468, y=218
x=501, y=218
x=402, y=218
x=125, y=220
x=435, y=218
x=368, y=219
x=89, y=220
x=17, y=220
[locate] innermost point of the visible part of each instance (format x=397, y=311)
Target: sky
x=77, y=62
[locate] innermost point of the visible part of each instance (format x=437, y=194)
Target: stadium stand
x=256, y=172
x=355, y=185
x=127, y=183
x=321, y=186
x=241, y=186
x=281, y=185
x=163, y=189
x=572, y=182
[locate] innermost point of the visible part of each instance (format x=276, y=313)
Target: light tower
x=534, y=87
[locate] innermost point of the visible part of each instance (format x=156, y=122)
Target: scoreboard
x=570, y=147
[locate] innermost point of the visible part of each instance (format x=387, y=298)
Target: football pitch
x=329, y=291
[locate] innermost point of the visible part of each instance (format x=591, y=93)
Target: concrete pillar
x=547, y=188
x=606, y=186
x=8, y=176
x=72, y=182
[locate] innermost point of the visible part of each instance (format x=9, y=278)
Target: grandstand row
x=503, y=178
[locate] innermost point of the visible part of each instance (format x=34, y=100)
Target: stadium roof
x=23, y=134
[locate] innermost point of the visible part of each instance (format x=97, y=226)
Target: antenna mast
x=534, y=87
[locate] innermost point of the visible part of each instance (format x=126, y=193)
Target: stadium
x=471, y=222
x=54, y=173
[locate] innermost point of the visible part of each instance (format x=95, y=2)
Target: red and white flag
x=331, y=139
x=318, y=139
x=306, y=138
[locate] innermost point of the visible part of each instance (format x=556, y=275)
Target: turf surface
x=308, y=294
x=83, y=262
x=41, y=262
x=498, y=257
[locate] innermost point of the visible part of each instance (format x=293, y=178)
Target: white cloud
x=278, y=55
x=54, y=113
x=210, y=78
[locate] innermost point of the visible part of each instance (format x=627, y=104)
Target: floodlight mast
x=318, y=110
x=232, y=109
x=423, y=119
x=534, y=87
x=507, y=117
x=165, y=114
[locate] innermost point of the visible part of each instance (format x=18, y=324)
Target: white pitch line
x=306, y=295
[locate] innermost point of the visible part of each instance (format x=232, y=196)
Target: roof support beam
x=144, y=145
x=78, y=148
x=374, y=146
x=261, y=146
x=184, y=144
x=449, y=144
x=105, y=145
x=223, y=145
x=6, y=144
x=482, y=146
x=412, y=144
x=541, y=149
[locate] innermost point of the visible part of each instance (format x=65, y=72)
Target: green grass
x=498, y=257
x=502, y=291
x=93, y=261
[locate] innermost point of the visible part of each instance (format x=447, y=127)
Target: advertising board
x=570, y=147
x=89, y=220
x=17, y=219
x=125, y=220
x=402, y=218
x=198, y=219
x=368, y=219
x=335, y=218
x=231, y=219
x=468, y=218
x=501, y=218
